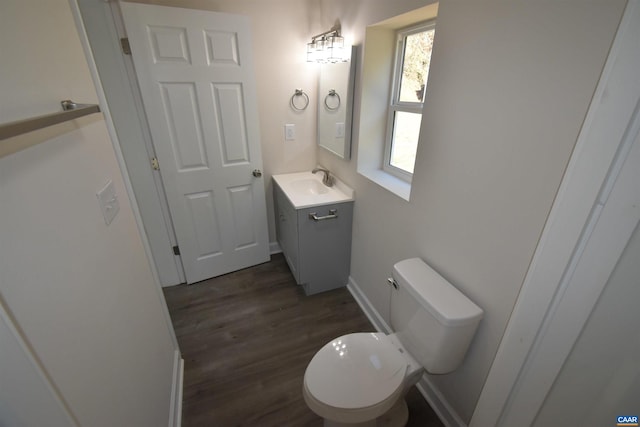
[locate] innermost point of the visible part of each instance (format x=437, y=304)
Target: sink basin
x=305, y=190
x=310, y=186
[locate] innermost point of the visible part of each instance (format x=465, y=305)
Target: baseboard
x=274, y=248
x=366, y=306
x=175, y=410
x=438, y=403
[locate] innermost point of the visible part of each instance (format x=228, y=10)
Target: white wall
x=81, y=294
x=508, y=90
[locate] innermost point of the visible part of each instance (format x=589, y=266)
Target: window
x=411, y=71
x=379, y=85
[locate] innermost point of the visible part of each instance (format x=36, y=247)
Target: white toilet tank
x=433, y=320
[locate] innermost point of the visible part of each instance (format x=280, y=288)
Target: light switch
x=340, y=130
x=289, y=132
x=108, y=202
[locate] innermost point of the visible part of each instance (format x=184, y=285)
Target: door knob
x=257, y=173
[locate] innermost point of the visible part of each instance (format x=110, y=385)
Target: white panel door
x=196, y=76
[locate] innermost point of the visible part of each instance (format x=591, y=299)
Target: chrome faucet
x=327, y=179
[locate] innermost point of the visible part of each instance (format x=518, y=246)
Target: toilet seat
x=355, y=377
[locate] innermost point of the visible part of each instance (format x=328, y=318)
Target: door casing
x=104, y=27
x=196, y=75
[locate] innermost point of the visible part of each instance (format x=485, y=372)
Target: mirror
x=335, y=106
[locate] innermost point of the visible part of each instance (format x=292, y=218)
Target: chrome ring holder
x=332, y=93
x=305, y=98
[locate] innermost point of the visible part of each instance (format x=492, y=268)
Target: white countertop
x=301, y=195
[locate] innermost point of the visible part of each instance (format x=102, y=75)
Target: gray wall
x=509, y=87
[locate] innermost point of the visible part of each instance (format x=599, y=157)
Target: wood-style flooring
x=246, y=339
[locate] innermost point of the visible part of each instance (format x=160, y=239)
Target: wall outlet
x=289, y=132
x=108, y=202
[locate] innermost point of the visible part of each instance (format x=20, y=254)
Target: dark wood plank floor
x=246, y=339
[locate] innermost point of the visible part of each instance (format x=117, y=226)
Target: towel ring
x=305, y=98
x=332, y=93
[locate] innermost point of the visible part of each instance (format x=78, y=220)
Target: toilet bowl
x=360, y=379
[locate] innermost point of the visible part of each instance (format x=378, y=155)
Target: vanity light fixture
x=327, y=47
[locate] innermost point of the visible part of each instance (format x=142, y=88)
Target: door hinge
x=126, y=47
x=176, y=250
x=154, y=164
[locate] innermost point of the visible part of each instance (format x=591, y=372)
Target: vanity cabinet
x=316, y=242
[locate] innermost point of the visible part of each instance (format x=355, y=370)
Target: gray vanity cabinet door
x=318, y=251
x=324, y=247
x=287, y=231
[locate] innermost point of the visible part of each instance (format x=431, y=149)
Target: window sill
x=389, y=182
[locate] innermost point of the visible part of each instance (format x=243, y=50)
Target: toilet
x=360, y=379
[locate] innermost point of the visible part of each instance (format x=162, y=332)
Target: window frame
x=395, y=105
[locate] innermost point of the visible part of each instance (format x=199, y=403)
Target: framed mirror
x=335, y=106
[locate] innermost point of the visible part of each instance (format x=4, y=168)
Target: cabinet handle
x=333, y=213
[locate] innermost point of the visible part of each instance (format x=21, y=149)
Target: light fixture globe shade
x=335, y=49
x=311, y=51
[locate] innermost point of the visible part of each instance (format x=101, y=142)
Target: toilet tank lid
x=450, y=306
